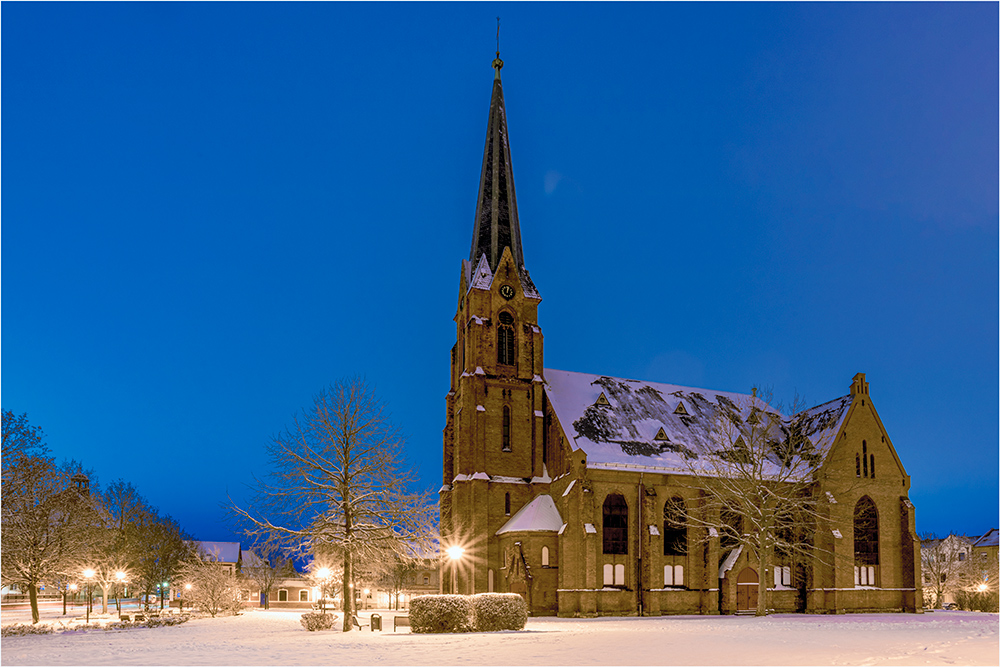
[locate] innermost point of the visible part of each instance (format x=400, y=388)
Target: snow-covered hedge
x=441, y=613
x=485, y=612
x=499, y=611
x=316, y=621
x=21, y=629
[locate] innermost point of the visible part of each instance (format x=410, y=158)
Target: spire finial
x=497, y=63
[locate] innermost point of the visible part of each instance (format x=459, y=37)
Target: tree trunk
x=348, y=591
x=762, y=588
x=104, y=598
x=33, y=596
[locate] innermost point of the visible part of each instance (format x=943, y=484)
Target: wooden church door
x=746, y=590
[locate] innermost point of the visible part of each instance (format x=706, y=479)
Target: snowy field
x=276, y=638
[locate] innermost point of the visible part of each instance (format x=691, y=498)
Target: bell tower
x=494, y=449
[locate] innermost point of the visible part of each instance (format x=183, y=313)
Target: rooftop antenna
x=498, y=64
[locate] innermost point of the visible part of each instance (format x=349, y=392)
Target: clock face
x=506, y=291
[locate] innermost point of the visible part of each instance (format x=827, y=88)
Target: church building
x=577, y=490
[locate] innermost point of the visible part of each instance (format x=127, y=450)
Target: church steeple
x=496, y=225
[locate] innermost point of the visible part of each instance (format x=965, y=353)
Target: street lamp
x=187, y=587
x=120, y=578
x=88, y=574
x=164, y=590
x=66, y=590
x=323, y=574
x=455, y=554
x=366, y=591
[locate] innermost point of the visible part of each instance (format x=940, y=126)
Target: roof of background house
x=220, y=552
x=989, y=539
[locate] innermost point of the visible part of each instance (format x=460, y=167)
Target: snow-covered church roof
x=539, y=514
x=640, y=424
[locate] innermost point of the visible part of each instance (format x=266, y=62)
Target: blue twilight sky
x=211, y=211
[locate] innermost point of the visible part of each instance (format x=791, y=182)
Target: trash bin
x=376, y=623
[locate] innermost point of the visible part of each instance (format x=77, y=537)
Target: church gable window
x=865, y=542
x=674, y=529
x=615, y=525
x=506, y=341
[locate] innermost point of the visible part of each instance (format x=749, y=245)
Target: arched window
x=857, y=465
x=505, y=437
x=609, y=574
x=615, y=525
x=865, y=542
x=545, y=556
x=489, y=581
x=872, y=467
x=506, y=343
x=506, y=504
x=674, y=528
x=864, y=456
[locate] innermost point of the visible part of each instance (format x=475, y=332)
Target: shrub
x=441, y=613
x=499, y=611
x=978, y=601
x=22, y=629
x=313, y=621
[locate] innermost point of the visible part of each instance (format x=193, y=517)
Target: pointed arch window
x=506, y=504
x=615, y=524
x=865, y=542
x=864, y=456
x=506, y=341
x=505, y=433
x=674, y=528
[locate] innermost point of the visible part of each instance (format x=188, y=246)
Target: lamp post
x=187, y=587
x=119, y=578
x=323, y=574
x=366, y=592
x=73, y=588
x=88, y=574
x=455, y=554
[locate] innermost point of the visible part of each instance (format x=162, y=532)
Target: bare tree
x=42, y=512
x=337, y=480
x=213, y=588
x=163, y=547
x=946, y=565
x=264, y=565
x=757, y=483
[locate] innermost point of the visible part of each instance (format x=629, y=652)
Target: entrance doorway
x=746, y=589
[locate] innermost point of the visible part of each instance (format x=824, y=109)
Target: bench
x=398, y=621
x=358, y=624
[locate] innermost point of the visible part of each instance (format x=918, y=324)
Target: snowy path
x=276, y=638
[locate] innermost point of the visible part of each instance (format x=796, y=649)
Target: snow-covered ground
x=276, y=638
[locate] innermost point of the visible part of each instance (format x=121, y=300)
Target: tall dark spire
x=496, y=211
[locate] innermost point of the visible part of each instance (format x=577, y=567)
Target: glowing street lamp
x=66, y=590
x=455, y=554
x=120, y=578
x=88, y=574
x=323, y=574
